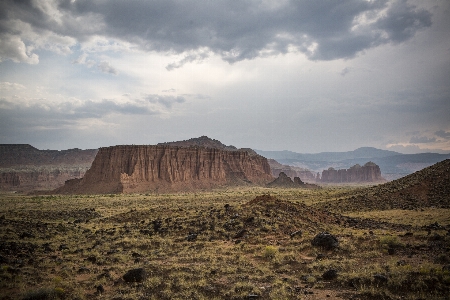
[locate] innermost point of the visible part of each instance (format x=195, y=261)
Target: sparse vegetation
x=224, y=244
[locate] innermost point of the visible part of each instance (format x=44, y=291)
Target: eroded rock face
x=24, y=168
x=42, y=179
x=370, y=172
x=128, y=169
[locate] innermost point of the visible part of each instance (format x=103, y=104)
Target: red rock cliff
x=127, y=169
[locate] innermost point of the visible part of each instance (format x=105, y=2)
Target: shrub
x=270, y=251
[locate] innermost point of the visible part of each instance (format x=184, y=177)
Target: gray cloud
x=235, y=30
x=105, y=67
x=345, y=71
x=198, y=57
x=422, y=140
x=6, y=86
x=82, y=60
x=167, y=101
x=443, y=134
x=68, y=112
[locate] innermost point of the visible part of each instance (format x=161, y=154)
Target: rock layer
x=128, y=169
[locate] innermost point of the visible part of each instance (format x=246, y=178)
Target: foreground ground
x=234, y=244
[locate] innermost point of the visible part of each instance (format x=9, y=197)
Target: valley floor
x=252, y=243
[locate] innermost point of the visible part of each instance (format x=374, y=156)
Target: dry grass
x=65, y=247
x=420, y=217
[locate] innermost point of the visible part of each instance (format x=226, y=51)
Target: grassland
x=219, y=245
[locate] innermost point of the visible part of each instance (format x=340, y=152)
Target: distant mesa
x=170, y=167
x=370, y=172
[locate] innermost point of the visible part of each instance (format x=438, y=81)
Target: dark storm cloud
x=235, y=30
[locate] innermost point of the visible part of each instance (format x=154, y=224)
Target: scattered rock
x=63, y=247
x=25, y=235
x=135, y=275
x=330, y=274
x=3, y=259
x=191, y=237
x=240, y=234
x=296, y=233
x=92, y=259
x=401, y=263
x=84, y=270
x=380, y=278
x=100, y=289
x=325, y=240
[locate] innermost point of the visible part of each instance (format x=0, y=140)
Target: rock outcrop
x=291, y=171
x=164, y=168
x=24, y=168
x=370, y=172
x=284, y=181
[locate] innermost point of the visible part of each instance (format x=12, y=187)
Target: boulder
x=325, y=240
x=330, y=274
x=135, y=275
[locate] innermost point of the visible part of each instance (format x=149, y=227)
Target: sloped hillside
x=429, y=187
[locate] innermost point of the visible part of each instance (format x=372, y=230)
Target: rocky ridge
x=165, y=168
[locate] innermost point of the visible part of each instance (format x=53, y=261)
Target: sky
x=305, y=76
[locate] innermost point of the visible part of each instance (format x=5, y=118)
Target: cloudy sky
x=306, y=76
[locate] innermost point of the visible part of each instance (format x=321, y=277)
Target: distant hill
x=24, y=168
x=14, y=155
x=363, y=152
x=393, y=165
